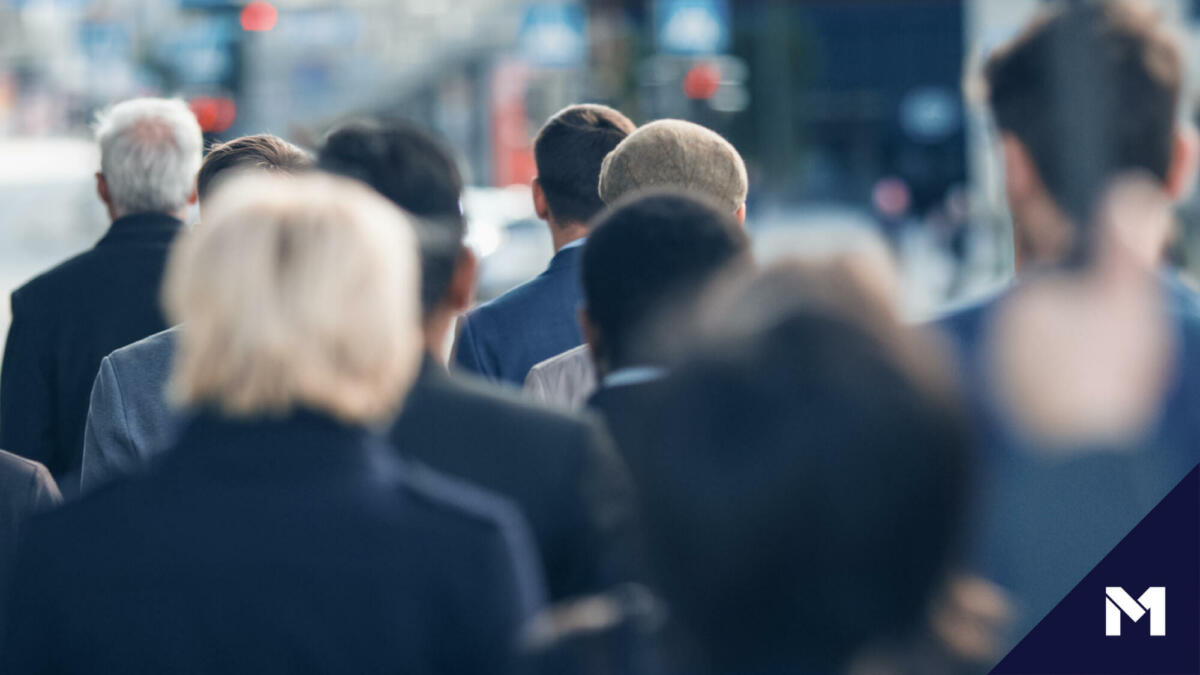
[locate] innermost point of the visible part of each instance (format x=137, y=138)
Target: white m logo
x=1152, y=602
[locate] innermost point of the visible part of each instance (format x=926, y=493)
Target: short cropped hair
x=149, y=153
x=418, y=174
x=650, y=256
x=804, y=497
x=259, y=151
x=568, y=150
x=1125, y=72
x=676, y=154
x=297, y=292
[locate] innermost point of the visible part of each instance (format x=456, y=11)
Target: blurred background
x=849, y=113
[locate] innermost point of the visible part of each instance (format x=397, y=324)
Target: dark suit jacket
x=25, y=489
x=563, y=473
x=271, y=546
x=502, y=339
x=67, y=319
x=627, y=411
x=560, y=471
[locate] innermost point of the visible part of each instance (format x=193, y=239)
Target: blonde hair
x=296, y=291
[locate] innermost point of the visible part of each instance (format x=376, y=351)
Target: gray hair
x=150, y=151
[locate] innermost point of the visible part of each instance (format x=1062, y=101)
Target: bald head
x=679, y=155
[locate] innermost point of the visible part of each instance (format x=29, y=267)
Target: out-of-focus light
x=259, y=16
x=214, y=114
x=702, y=81
x=891, y=197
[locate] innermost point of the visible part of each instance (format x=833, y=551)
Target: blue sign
x=692, y=27
x=554, y=35
x=200, y=51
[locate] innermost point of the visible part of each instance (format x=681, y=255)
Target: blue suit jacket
x=1044, y=518
x=277, y=545
x=502, y=339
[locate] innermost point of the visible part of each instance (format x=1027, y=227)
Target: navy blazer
x=502, y=339
x=63, y=323
x=282, y=545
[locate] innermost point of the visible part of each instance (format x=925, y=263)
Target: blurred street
x=850, y=115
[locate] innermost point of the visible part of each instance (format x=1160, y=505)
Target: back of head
x=807, y=494
x=569, y=150
x=260, y=151
x=1092, y=90
x=650, y=257
x=297, y=292
x=416, y=173
x=150, y=151
x=679, y=155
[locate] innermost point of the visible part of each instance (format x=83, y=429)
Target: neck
x=565, y=233
x=1042, y=234
x=180, y=215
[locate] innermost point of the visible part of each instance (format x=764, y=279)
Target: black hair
x=803, y=494
x=648, y=257
x=414, y=171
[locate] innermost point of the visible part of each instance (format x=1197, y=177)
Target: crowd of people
x=242, y=446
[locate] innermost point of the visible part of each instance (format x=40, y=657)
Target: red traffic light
x=213, y=114
x=702, y=81
x=259, y=16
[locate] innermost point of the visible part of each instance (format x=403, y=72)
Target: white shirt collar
x=633, y=375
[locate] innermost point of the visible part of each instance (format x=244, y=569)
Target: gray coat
x=26, y=487
x=129, y=419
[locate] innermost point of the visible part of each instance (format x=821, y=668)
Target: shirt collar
x=624, y=377
x=574, y=244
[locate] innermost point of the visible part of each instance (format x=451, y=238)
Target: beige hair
x=296, y=291
x=675, y=154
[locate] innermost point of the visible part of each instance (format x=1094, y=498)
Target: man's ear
x=102, y=189
x=462, y=282
x=740, y=214
x=194, y=197
x=539, y=201
x=1181, y=174
x=1020, y=173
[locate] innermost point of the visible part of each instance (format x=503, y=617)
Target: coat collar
x=567, y=256
x=142, y=228
x=300, y=443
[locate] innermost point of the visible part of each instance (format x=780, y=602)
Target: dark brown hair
x=1091, y=89
x=262, y=151
x=569, y=150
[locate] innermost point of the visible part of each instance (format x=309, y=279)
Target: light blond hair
x=296, y=292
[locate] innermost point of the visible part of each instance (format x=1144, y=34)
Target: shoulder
x=156, y=348
x=20, y=474
x=574, y=360
x=55, y=281
x=490, y=401
x=523, y=299
x=963, y=321
x=442, y=496
x=566, y=378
